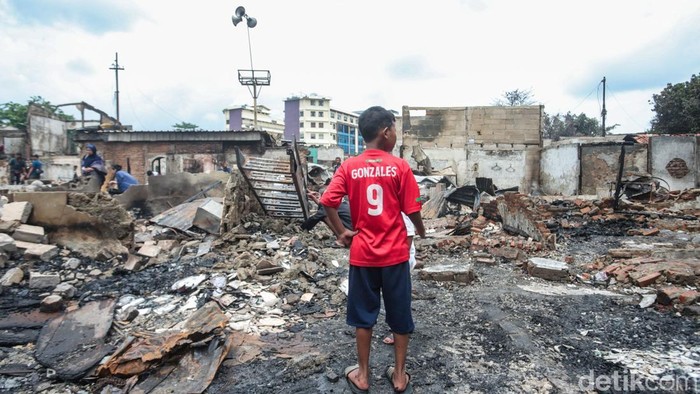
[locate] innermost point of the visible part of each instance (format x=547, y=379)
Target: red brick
x=667, y=295
x=689, y=297
x=585, y=210
x=611, y=268
x=650, y=231
x=648, y=279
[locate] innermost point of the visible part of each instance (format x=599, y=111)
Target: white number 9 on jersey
x=375, y=198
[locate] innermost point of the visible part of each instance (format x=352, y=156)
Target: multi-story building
x=310, y=119
x=242, y=118
x=349, y=138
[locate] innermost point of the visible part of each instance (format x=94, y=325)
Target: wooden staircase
x=279, y=185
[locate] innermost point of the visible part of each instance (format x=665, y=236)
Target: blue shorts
x=364, y=287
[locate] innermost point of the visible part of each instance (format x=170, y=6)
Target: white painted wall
x=47, y=135
x=505, y=167
x=559, y=170
x=666, y=148
x=440, y=159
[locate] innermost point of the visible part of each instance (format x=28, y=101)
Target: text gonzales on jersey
x=374, y=172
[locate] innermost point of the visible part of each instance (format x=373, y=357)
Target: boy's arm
x=343, y=234
x=418, y=222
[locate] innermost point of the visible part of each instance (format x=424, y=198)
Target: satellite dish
x=240, y=11
x=252, y=22
x=236, y=19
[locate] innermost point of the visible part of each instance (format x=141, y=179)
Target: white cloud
x=181, y=59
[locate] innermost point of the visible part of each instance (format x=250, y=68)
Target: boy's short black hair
x=374, y=119
x=116, y=167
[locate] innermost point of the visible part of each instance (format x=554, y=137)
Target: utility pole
x=603, y=112
x=116, y=69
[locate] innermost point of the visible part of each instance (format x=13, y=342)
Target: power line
x=626, y=113
x=159, y=107
x=133, y=110
x=584, y=99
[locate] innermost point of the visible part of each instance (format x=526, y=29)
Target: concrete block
x=134, y=263
x=29, y=233
x=7, y=243
x=13, y=276
x=41, y=281
x=448, y=273
x=42, y=252
x=547, y=268
x=168, y=244
x=52, y=303
x=149, y=250
x=18, y=211
x=8, y=227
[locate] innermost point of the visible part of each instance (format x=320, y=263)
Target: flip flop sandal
x=389, y=373
x=353, y=388
x=389, y=339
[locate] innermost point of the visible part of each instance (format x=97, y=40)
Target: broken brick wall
x=175, y=156
x=498, y=142
x=589, y=165
x=600, y=165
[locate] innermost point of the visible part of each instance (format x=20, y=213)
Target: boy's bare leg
x=363, y=339
x=400, y=349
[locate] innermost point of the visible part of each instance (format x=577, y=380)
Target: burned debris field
x=591, y=297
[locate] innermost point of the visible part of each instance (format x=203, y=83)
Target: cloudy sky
x=181, y=57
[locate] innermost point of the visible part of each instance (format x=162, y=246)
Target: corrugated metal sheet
x=181, y=216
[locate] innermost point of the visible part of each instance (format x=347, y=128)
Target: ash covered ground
x=505, y=332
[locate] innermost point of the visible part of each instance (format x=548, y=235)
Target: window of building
x=345, y=118
x=301, y=113
x=226, y=121
x=313, y=113
x=313, y=102
x=320, y=114
x=320, y=125
x=312, y=136
x=301, y=124
x=352, y=120
x=332, y=115
x=313, y=124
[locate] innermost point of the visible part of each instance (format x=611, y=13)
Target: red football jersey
x=379, y=187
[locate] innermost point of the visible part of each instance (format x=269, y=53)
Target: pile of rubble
x=159, y=304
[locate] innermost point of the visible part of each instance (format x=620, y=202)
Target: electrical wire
x=159, y=107
x=625, y=111
x=584, y=99
x=133, y=111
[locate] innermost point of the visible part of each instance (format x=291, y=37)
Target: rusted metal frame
x=299, y=178
x=240, y=163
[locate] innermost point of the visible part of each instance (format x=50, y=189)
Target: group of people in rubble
x=92, y=164
x=19, y=171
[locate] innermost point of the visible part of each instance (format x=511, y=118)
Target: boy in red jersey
x=379, y=186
